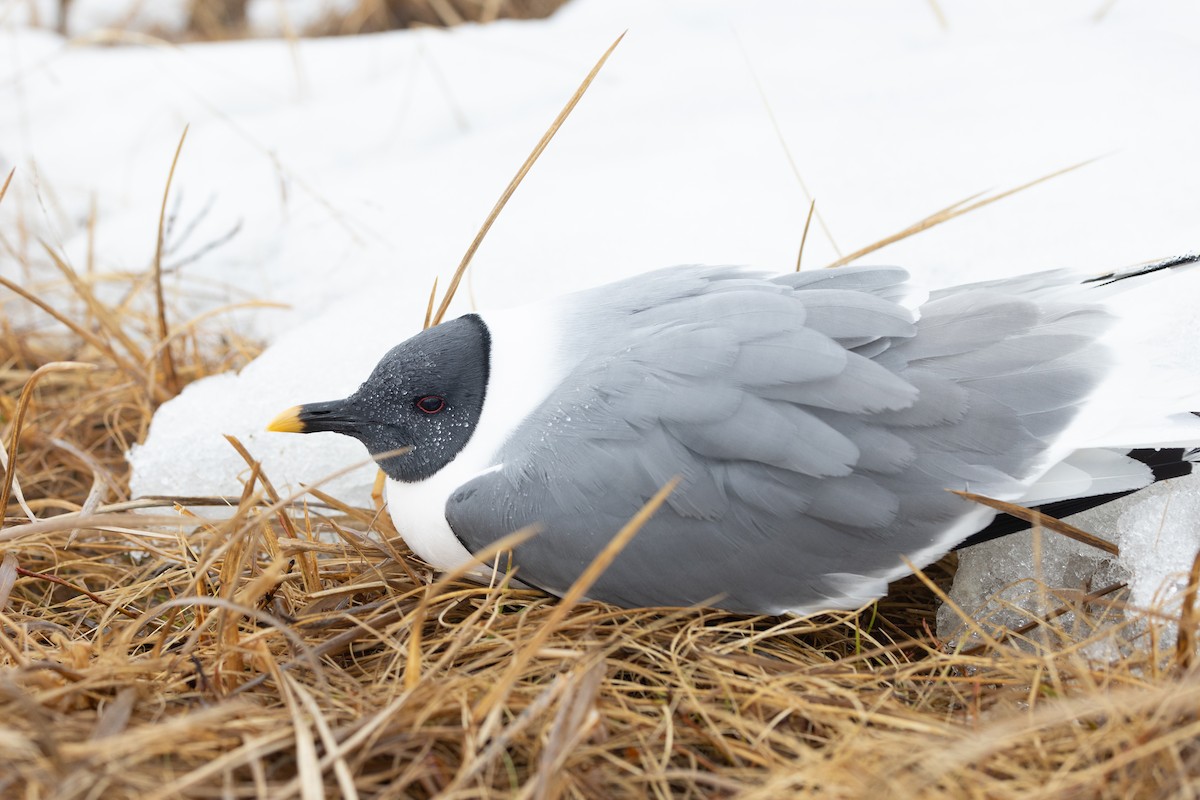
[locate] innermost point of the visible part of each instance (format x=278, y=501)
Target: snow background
x=352, y=171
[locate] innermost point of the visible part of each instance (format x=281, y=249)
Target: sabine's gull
x=816, y=419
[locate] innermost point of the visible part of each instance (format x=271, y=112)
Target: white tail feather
x=1088, y=472
x=1154, y=382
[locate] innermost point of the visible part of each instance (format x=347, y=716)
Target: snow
x=348, y=173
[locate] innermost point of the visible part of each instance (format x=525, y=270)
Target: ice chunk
x=1155, y=529
x=1160, y=537
x=998, y=583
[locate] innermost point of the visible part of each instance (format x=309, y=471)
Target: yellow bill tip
x=288, y=422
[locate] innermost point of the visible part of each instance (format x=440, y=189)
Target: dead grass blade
x=572, y=597
x=130, y=368
x=24, y=573
x=949, y=213
x=300, y=704
x=108, y=321
x=8, y=578
x=499, y=745
x=19, y=419
x=170, y=378
x=1185, y=645
x=1021, y=630
x=284, y=520
x=7, y=181
x=787, y=151
x=520, y=176
x=812, y=206
x=1038, y=519
x=412, y=667
x=180, y=331
x=971, y=623
x=429, y=306
x=576, y=718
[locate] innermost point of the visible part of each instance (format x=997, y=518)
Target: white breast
x=526, y=365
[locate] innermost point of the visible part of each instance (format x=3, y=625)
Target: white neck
x=525, y=366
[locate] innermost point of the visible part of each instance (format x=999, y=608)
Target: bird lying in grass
x=816, y=421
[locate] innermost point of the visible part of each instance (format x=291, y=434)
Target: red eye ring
x=431, y=403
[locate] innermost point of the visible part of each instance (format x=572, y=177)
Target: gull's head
x=424, y=398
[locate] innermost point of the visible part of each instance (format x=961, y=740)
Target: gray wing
x=816, y=424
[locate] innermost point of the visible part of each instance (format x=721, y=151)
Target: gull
x=815, y=421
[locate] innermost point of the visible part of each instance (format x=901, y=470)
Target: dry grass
x=298, y=649
x=380, y=15
x=219, y=20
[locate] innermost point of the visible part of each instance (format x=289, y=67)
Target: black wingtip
x=1146, y=269
x=1164, y=464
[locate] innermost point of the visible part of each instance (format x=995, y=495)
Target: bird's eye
x=431, y=404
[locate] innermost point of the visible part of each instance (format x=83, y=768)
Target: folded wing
x=816, y=421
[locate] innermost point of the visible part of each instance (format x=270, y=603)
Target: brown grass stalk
x=1185, y=645
x=170, y=378
x=516, y=181
x=950, y=212
x=812, y=206
x=430, y=305
x=573, y=595
x=18, y=420
x=1040, y=520
x=108, y=321
x=95, y=598
x=102, y=347
x=7, y=181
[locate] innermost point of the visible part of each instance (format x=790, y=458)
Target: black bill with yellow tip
x=335, y=415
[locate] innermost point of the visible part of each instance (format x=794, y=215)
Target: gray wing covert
x=815, y=425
